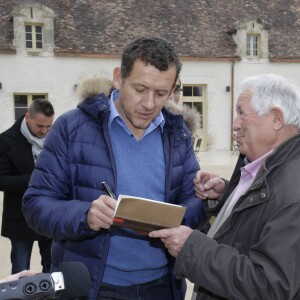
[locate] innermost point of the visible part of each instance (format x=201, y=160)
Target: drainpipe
x=232, y=100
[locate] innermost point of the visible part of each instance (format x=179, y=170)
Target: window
x=192, y=91
x=252, y=45
x=22, y=102
x=193, y=97
x=34, y=36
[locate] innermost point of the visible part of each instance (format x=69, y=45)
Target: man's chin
x=142, y=125
x=241, y=149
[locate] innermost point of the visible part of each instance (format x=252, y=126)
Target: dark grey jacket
x=256, y=252
x=16, y=166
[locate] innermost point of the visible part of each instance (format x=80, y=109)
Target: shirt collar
x=253, y=167
x=113, y=111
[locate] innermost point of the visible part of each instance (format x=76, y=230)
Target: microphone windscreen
x=77, y=280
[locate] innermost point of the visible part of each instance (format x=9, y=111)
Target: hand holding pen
x=118, y=220
x=100, y=215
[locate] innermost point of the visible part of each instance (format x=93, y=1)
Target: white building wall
x=216, y=76
x=57, y=76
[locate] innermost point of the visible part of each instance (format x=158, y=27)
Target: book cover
x=146, y=215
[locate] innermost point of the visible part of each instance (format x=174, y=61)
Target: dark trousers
x=160, y=289
x=21, y=253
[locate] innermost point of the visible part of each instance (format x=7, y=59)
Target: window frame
x=195, y=99
x=30, y=97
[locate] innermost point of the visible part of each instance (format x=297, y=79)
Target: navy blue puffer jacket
x=76, y=158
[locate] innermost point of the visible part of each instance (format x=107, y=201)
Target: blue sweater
x=133, y=259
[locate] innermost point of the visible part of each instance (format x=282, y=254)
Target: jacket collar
x=258, y=192
x=14, y=131
x=92, y=91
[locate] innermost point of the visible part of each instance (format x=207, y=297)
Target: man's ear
x=277, y=118
x=117, y=78
x=27, y=116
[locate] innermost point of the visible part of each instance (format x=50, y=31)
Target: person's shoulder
x=72, y=116
x=71, y=120
x=12, y=132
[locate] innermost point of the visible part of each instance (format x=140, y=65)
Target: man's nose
x=236, y=124
x=44, y=130
x=149, y=100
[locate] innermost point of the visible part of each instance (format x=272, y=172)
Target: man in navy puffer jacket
x=139, y=148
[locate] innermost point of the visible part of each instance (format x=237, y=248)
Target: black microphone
x=72, y=281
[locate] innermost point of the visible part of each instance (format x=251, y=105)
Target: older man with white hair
x=252, y=249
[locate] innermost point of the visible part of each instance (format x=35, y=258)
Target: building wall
x=216, y=76
x=58, y=76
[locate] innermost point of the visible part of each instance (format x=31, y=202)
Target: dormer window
x=34, y=36
x=251, y=37
x=33, y=29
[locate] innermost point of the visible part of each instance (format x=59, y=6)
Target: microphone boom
x=71, y=282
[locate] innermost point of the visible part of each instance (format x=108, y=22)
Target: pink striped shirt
x=248, y=173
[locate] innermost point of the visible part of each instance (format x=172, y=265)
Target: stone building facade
x=46, y=47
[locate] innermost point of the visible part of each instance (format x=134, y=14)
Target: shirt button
x=251, y=200
x=263, y=195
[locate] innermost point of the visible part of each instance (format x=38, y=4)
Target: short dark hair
x=41, y=105
x=155, y=51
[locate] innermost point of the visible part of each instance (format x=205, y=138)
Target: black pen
x=107, y=189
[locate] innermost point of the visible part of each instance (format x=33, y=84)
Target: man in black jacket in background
x=20, y=146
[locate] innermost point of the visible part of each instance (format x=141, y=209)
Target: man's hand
x=101, y=213
x=208, y=185
x=173, y=238
x=17, y=276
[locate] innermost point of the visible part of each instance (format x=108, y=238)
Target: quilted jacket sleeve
x=46, y=204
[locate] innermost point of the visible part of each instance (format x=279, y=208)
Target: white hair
x=269, y=91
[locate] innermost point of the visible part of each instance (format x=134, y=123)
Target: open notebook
x=146, y=214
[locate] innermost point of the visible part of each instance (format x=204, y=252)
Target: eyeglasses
x=178, y=88
x=243, y=115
